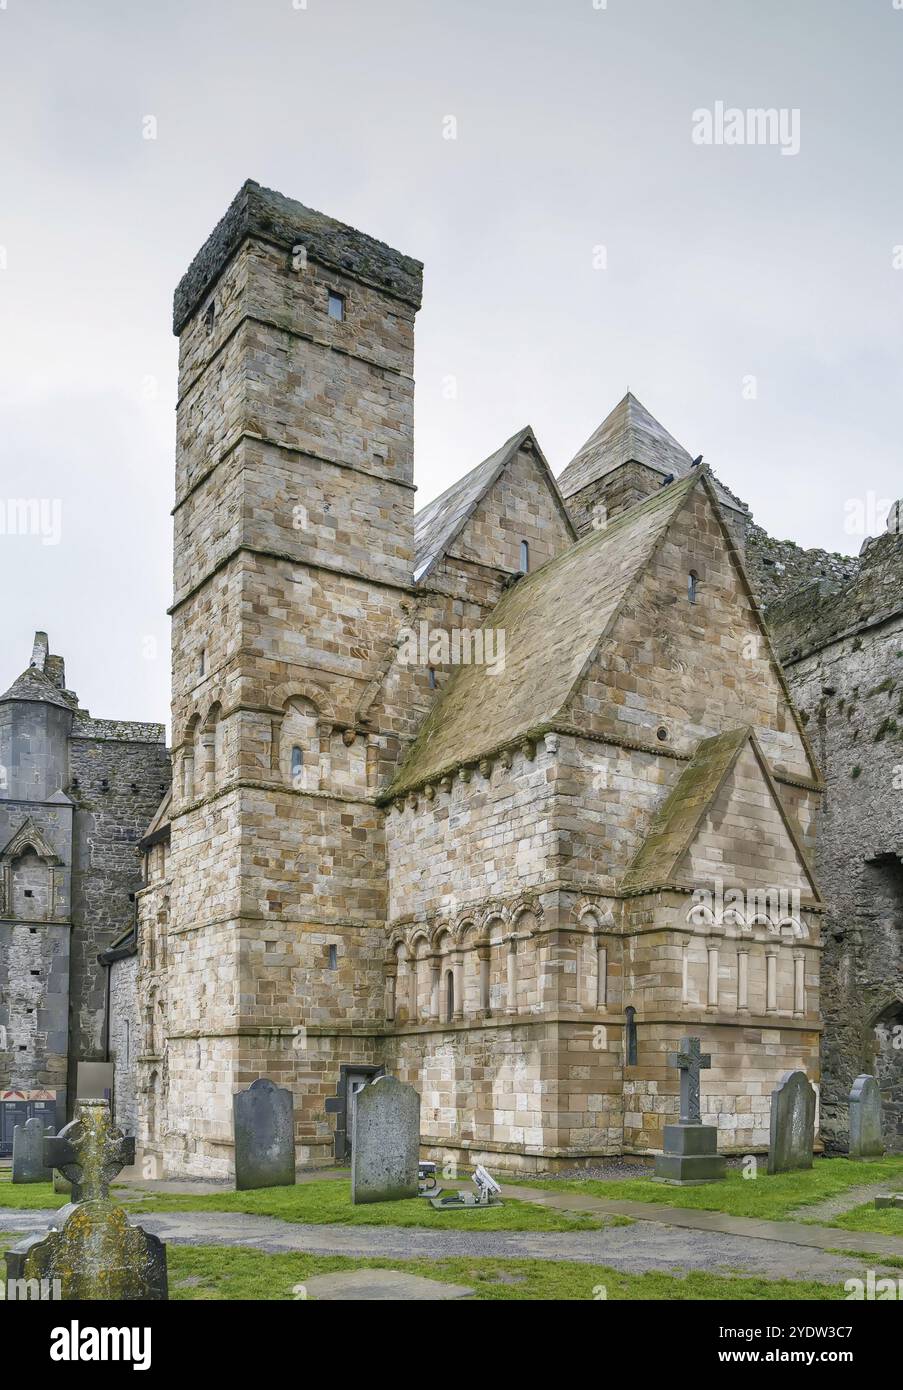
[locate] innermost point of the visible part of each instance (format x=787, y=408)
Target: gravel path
x=635, y=1249
x=831, y=1207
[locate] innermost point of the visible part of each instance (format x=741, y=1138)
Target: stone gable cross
x=90, y=1152
x=690, y=1061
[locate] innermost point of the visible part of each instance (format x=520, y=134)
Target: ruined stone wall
x=850, y=692
x=117, y=782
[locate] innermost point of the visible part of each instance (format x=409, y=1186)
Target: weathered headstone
x=28, y=1152
x=792, y=1123
x=866, y=1140
x=385, y=1141
x=93, y=1252
x=264, y=1118
x=690, y=1152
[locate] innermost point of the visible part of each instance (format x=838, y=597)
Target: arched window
x=299, y=745
x=524, y=556
x=692, y=585
x=449, y=995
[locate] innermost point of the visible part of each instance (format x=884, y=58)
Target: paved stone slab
x=378, y=1284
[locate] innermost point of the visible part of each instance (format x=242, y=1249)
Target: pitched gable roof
x=679, y=819
x=629, y=433
x=438, y=523
x=553, y=621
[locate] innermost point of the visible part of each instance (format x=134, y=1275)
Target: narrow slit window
x=525, y=557
x=432, y=678
x=336, y=306
x=333, y=957
x=692, y=585
x=297, y=761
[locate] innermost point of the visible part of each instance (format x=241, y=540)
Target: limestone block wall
x=747, y=1062
x=490, y=835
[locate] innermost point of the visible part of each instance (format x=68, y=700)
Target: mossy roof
x=553, y=621
x=678, y=820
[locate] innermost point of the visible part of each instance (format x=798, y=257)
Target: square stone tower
x=294, y=547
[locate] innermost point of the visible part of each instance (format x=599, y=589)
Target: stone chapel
x=503, y=796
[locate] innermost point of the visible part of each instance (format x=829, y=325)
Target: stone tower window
x=630, y=1041
x=432, y=678
x=297, y=761
x=692, y=585
x=524, y=557
x=449, y=995
x=210, y=316
x=333, y=957
x=336, y=306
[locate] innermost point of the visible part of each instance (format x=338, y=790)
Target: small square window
x=336, y=306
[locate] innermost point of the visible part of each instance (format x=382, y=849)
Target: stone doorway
x=351, y=1080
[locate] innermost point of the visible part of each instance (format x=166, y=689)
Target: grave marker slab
x=792, y=1123
x=264, y=1118
x=690, y=1153
x=866, y=1140
x=28, y=1153
x=385, y=1144
x=91, y=1249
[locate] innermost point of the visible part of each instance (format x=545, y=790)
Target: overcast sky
x=577, y=241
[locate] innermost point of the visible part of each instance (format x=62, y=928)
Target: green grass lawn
x=772, y=1198
x=328, y=1203
x=224, y=1272
x=888, y=1221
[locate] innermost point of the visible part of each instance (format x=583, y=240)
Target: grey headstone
x=28, y=1152
x=385, y=1141
x=792, y=1123
x=865, y=1119
x=264, y=1118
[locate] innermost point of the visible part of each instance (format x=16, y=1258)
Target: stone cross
x=90, y=1151
x=690, y=1061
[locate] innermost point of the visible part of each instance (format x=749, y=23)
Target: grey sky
x=574, y=132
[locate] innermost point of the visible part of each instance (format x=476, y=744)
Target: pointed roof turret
x=630, y=434
x=45, y=679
